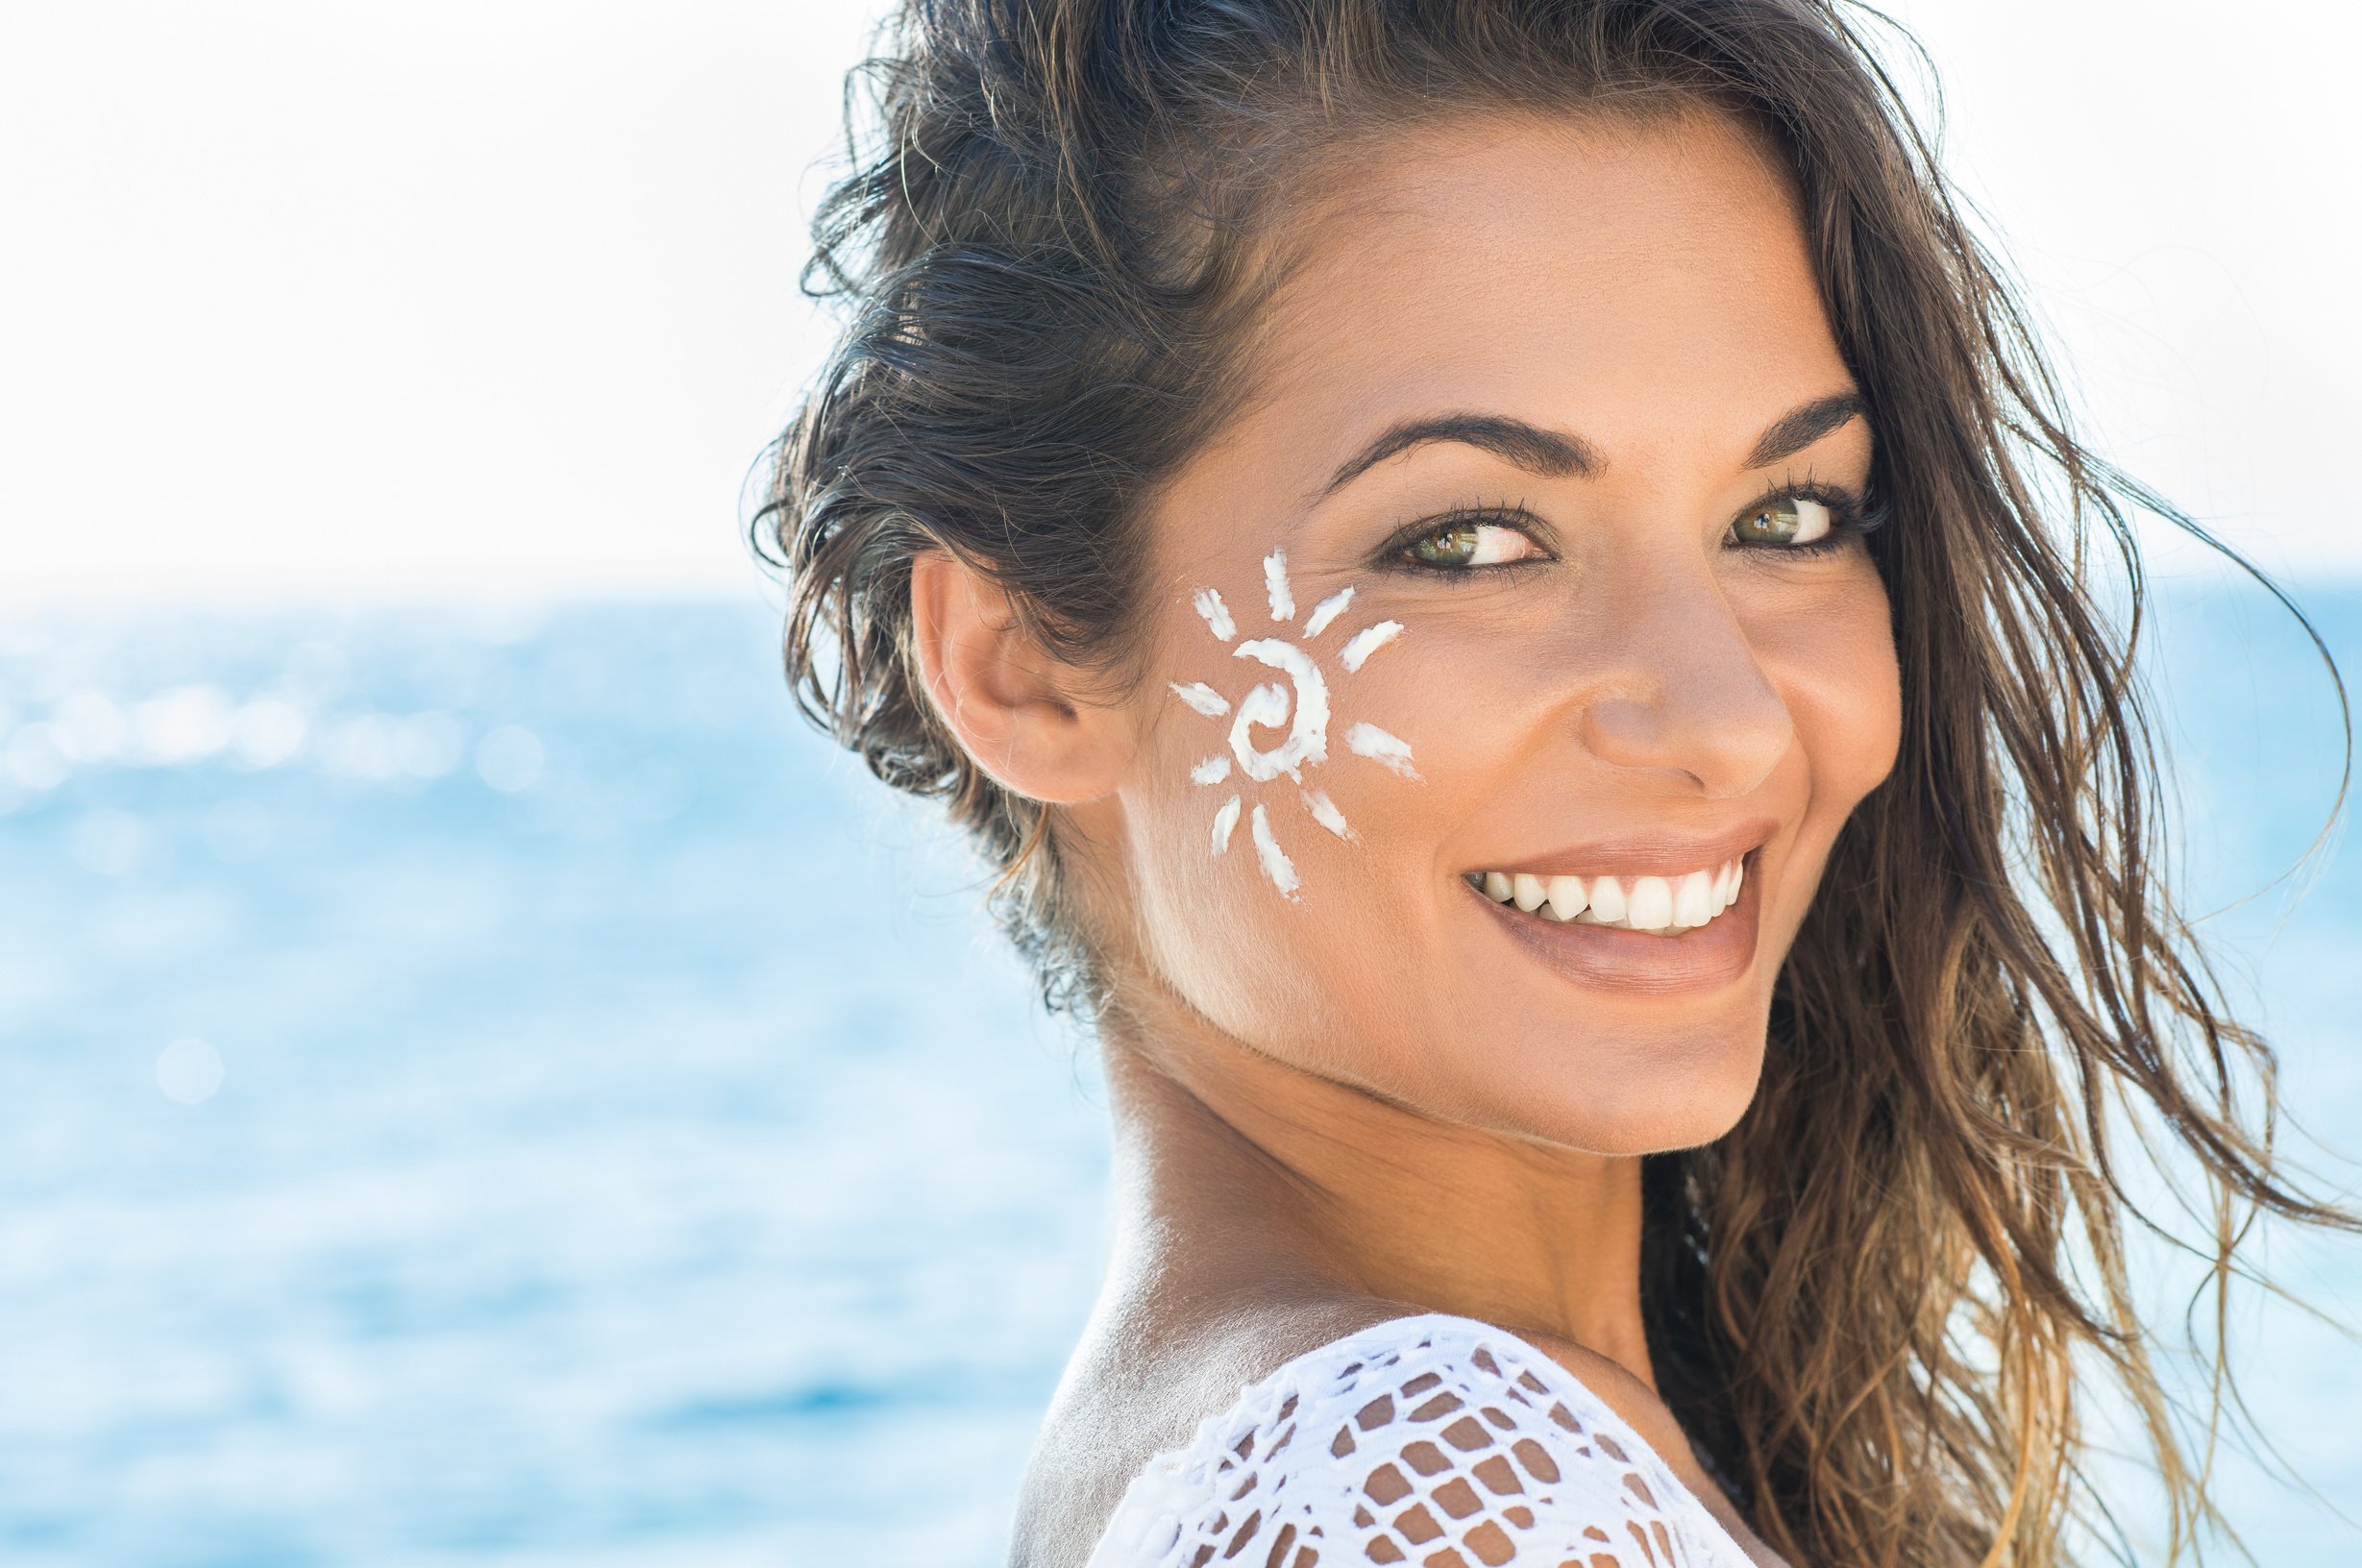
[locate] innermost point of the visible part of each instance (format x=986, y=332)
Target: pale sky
x=321, y=300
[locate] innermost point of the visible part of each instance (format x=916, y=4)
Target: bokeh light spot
x=509, y=759
x=185, y=725
x=429, y=745
x=268, y=732
x=111, y=843
x=188, y=1070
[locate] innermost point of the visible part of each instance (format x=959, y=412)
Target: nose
x=1681, y=692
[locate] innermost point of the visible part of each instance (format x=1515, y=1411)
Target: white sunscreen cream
x=1301, y=706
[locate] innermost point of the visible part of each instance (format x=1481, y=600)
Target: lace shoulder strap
x=1433, y=1440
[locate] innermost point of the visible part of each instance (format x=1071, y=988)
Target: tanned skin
x=1376, y=1098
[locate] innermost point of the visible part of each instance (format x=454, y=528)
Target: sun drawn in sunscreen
x=1301, y=705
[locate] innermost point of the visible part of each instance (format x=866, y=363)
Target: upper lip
x=1655, y=852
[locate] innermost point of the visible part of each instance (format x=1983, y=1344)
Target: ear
x=1015, y=708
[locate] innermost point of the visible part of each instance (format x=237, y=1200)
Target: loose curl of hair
x=1868, y=1301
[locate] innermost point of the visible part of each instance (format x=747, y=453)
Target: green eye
x=1791, y=520
x=1446, y=546
x=1457, y=546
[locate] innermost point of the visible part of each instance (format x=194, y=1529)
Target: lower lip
x=1611, y=958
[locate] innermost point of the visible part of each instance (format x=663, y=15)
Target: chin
x=1629, y=1100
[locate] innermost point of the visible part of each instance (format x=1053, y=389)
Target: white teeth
x=1606, y=899
x=1693, y=899
x=1652, y=904
x=1661, y=905
x=1567, y=899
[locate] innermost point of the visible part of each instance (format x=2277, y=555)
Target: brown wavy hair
x=1872, y=1301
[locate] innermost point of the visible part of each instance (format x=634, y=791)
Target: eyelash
x=1851, y=517
x=1394, y=554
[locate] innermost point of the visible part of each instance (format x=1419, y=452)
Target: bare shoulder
x=1141, y=1382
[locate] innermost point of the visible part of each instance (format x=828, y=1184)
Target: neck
x=1258, y=1173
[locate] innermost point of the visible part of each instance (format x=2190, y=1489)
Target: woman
x=1480, y=570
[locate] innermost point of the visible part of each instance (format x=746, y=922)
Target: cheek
x=1831, y=655
x=1241, y=931
x=1275, y=905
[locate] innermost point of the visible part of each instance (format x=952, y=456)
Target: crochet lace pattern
x=1434, y=1440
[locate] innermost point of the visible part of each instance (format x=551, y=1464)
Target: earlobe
x=1015, y=708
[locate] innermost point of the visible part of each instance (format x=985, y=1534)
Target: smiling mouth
x=1661, y=905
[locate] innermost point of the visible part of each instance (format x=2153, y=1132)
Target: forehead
x=1646, y=282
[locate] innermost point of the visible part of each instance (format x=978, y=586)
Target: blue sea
x=492, y=1088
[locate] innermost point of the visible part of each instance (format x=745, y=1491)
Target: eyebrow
x=1529, y=446
x=1807, y=423
x=1557, y=453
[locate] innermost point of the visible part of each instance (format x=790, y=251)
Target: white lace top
x=1434, y=1440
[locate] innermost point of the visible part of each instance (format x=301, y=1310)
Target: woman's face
x=1558, y=403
